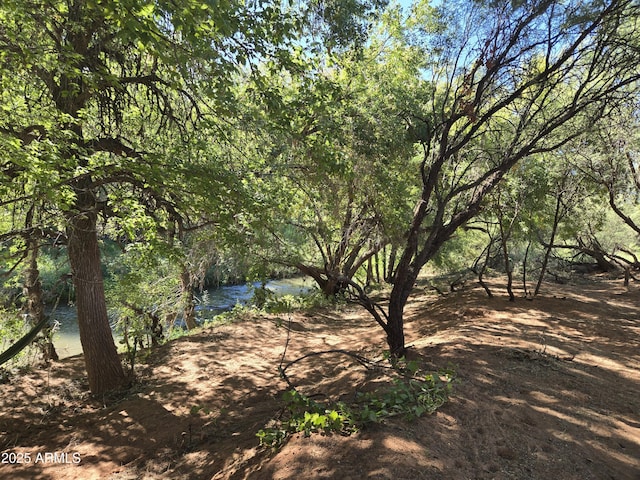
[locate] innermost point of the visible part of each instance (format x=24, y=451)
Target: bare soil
x=547, y=388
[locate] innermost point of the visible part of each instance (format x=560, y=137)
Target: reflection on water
x=215, y=301
x=67, y=337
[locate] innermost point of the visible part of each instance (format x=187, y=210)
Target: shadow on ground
x=546, y=388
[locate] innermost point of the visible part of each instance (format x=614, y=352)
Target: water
x=67, y=338
x=223, y=299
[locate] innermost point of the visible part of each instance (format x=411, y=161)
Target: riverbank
x=211, y=302
x=545, y=388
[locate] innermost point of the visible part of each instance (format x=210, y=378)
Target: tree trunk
x=596, y=251
x=509, y=267
x=395, y=323
x=547, y=253
x=188, y=303
x=389, y=275
x=104, y=369
x=508, y=264
x=384, y=263
x=404, y=280
x=483, y=268
x=35, y=303
x=32, y=285
x=370, y=278
x=330, y=284
x=524, y=270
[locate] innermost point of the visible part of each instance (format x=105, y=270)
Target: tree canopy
x=320, y=136
x=101, y=101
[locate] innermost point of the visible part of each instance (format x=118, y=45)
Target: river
x=218, y=300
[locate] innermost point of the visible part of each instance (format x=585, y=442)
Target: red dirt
x=546, y=389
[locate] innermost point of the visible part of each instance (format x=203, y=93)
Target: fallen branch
x=23, y=342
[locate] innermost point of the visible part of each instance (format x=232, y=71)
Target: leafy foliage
x=101, y=104
x=410, y=396
x=228, y=142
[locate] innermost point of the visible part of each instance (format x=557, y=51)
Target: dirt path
x=546, y=389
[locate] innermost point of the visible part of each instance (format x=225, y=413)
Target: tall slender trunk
x=524, y=270
x=547, y=253
x=370, y=278
x=482, y=283
x=391, y=265
x=35, y=303
x=384, y=263
x=32, y=285
x=188, y=300
x=508, y=265
x=505, y=233
x=104, y=369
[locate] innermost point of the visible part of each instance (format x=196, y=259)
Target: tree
x=566, y=194
x=508, y=213
x=608, y=158
x=343, y=176
x=92, y=93
x=528, y=76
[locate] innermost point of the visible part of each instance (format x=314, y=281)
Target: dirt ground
x=547, y=388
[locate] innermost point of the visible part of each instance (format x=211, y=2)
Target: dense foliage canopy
x=199, y=141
